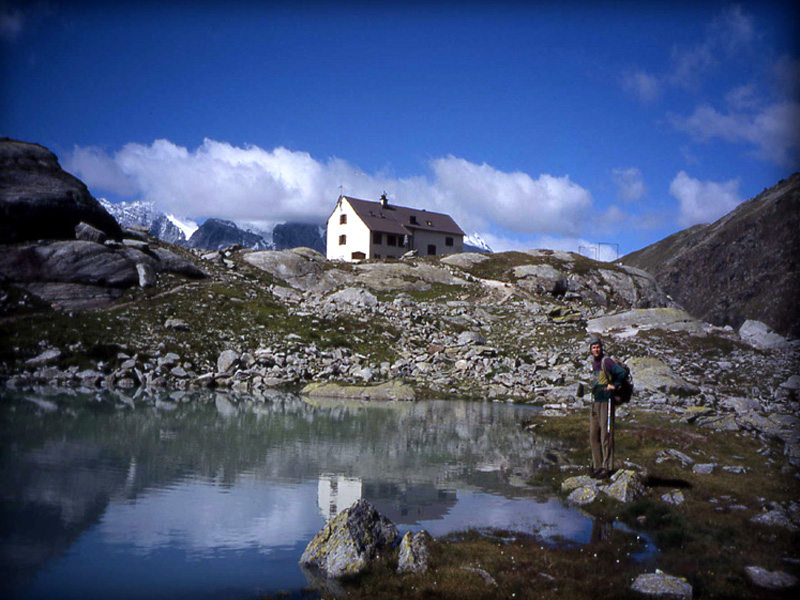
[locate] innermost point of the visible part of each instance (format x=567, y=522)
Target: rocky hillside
x=744, y=266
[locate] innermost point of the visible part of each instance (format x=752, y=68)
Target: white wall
x=358, y=235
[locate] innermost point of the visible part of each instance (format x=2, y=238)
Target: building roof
x=400, y=219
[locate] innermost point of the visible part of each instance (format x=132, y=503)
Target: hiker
x=608, y=376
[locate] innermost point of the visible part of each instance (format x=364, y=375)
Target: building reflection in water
x=335, y=493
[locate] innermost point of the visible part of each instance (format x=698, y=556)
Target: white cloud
x=630, y=184
x=93, y=165
x=774, y=129
x=257, y=185
x=744, y=97
x=481, y=194
x=641, y=84
x=703, y=201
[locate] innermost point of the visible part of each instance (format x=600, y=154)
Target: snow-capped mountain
x=132, y=214
x=217, y=234
x=139, y=213
x=214, y=234
x=475, y=243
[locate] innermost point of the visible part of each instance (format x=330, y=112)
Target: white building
x=360, y=229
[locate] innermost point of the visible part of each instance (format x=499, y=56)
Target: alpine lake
x=213, y=495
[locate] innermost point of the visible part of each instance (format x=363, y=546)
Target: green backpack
x=623, y=394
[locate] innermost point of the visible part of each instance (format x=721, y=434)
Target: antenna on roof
x=341, y=191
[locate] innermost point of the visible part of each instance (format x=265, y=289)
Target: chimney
x=384, y=200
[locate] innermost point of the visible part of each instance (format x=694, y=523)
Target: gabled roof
x=400, y=219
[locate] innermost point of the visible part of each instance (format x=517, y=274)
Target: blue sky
x=534, y=124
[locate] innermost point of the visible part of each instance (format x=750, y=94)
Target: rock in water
x=414, y=553
x=349, y=541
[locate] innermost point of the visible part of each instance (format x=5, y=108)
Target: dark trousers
x=601, y=436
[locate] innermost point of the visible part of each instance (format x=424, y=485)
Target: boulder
x=674, y=497
x=39, y=200
x=464, y=260
x=661, y=585
x=414, y=553
x=466, y=338
x=776, y=517
x=45, y=357
x=87, y=233
x=403, y=277
x=83, y=274
x=585, y=494
x=169, y=262
x=147, y=275
x=771, y=580
x=634, y=287
x=176, y=324
x=349, y=541
x=354, y=296
x=227, y=360
x=573, y=483
x=73, y=296
x=704, y=468
x=302, y=269
x=391, y=390
x=650, y=374
x=69, y=262
x=626, y=486
x=629, y=322
x=759, y=335
x=542, y=278
x=793, y=383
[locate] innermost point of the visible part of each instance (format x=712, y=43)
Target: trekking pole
x=608, y=413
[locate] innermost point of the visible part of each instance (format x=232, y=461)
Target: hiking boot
x=596, y=474
x=603, y=474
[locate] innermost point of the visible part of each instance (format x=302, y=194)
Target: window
x=377, y=237
x=358, y=256
x=431, y=249
x=342, y=240
x=375, y=255
x=342, y=219
x=391, y=240
x=448, y=241
x=413, y=219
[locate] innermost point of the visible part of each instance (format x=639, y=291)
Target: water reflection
x=202, y=494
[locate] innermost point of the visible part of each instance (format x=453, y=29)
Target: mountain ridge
x=743, y=266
